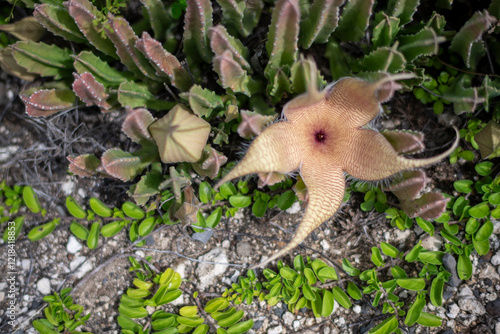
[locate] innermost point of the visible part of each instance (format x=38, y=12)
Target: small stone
x=325, y=245
x=432, y=243
x=495, y=259
x=226, y=244
x=85, y=268
x=203, y=237
x=76, y=262
x=7, y=152
x=450, y=264
x=400, y=236
x=288, y=318
x=26, y=264
x=208, y=271
x=234, y=278
x=67, y=187
x=497, y=328
x=43, y=286
x=295, y=208
x=489, y=272
x=493, y=308
x=275, y=330
x=73, y=245
x=472, y=305
x=296, y=325
x=496, y=226
x=449, y=291
x=243, y=249
x=453, y=311
x=341, y=321
x=466, y=291
x=357, y=309
x=2, y=296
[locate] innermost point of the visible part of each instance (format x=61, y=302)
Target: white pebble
x=43, y=286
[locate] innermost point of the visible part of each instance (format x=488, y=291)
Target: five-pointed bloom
x=324, y=135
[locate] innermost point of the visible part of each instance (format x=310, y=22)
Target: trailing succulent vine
x=185, y=100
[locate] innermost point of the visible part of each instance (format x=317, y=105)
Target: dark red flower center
x=320, y=136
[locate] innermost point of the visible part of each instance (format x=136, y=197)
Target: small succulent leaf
x=221, y=41
x=354, y=20
x=136, y=124
x=328, y=303
x=197, y=21
x=41, y=231
x=147, y=187
x=305, y=76
x=339, y=67
x=279, y=84
x=165, y=63
x=125, y=165
x=349, y=269
x=480, y=210
x=180, y=135
x=466, y=98
x=413, y=284
x=320, y=23
x=428, y=206
x=377, y=257
x=93, y=238
x=387, y=326
x=436, y=22
x=124, y=39
x=341, y=297
x=87, y=17
x=88, y=62
x=84, y=165
x=30, y=198
x=488, y=139
x=80, y=231
x=405, y=142
x=202, y=101
x=46, y=102
x=385, y=30
x=43, y=59
x=90, y=91
x=429, y=320
x=403, y=9
x=241, y=327
x=467, y=42
x=283, y=34
x=252, y=124
x=58, y=21
x=74, y=208
x=384, y=59
x=232, y=75
x=409, y=185
x=415, y=311
x=233, y=13
x=157, y=17
x=436, y=292
x=210, y=163
x=485, y=231
x=353, y=291
x=251, y=15
x=134, y=95
x=26, y=29
x=423, y=43
x=9, y=65
x=111, y=229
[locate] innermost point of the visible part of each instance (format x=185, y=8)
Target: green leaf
x=387, y=326
x=205, y=192
x=147, y=226
x=471, y=226
x=415, y=310
x=384, y=59
x=424, y=43
x=494, y=199
x=377, y=257
x=133, y=313
x=93, y=238
x=57, y=20
x=468, y=41
x=240, y=201
x=484, y=168
x=349, y=269
x=132, y=210
x=197, y=22
x=389, y=250
x=80, y=231
x=111, y=229
x=86, y=61
x=42, y=328
x=464, y=267
x=241, y=327
x=482, y=247
x=308, y=293
x=259, y=207
x=227, y=189
x=425, y=225
x=485, y=231
x=288, y=273
x=43, y=59
x=398, y=272
x=413, y=284
x=75, y=209
x=320, y=23
x=135, y=94
x=286, y=200
x=354, y=20
x=404, y=10
x=213, y=220
x=328, y=303
x=436, y=292
x=432, y=257
x=14, y=228
x=463, y=186
x=353, y=291
x=429, y=320
x=480, y=210
x=341, y=297
x=43, y=230
x=100, y=208
x=232, y=319
x=459, y=205
x=327, y=273
x=31, y=199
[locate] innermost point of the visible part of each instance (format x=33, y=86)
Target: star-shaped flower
x=326, y=134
